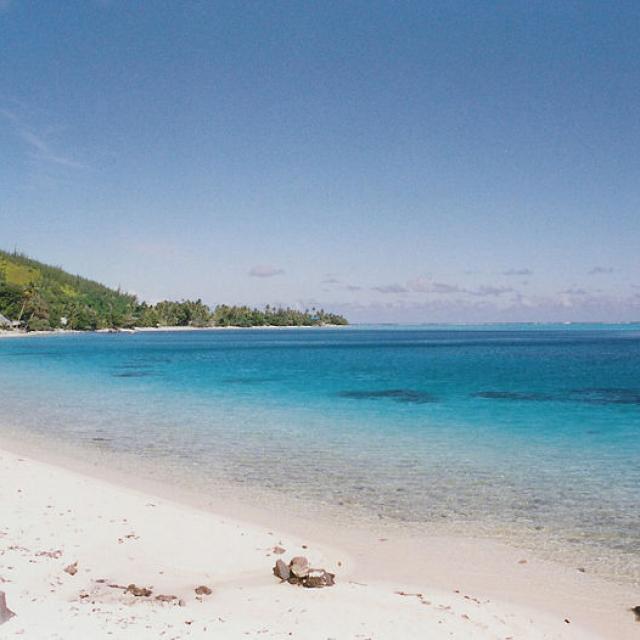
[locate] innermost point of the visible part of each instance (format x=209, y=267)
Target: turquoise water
x=529, y=432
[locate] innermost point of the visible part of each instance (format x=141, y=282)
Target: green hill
x=42, y=297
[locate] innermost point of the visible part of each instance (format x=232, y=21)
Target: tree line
x=39, y=297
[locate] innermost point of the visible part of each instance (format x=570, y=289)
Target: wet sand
x=122, y=530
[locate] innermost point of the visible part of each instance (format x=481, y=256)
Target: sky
x=393, y=161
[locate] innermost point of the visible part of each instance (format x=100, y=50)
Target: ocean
x=523, y=433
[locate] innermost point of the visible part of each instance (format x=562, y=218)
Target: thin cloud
x=422, y=285
x=488, y=291
x=38, y=148
x=600, y=271
x=9, y=115
x=353, y=287
x=513, y=308
x=265, y=271
x=425, y=285
x=517, y=272
x=574, y=291
x=443, y=287
x=331, y=281
x=390, y=288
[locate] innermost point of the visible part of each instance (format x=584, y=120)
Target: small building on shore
x=5, y=323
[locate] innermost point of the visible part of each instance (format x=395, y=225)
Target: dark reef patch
x=247, y=380
x=138, y=366
x=513, y=395
x=410, y=396
x=588, y=395
x=134, y=374
x=605, y=395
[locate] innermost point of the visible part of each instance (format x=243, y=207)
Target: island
x=38, y=297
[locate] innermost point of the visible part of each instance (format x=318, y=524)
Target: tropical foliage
x=225, y=316
x=41, y=297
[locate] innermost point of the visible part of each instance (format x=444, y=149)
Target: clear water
x=528, y=433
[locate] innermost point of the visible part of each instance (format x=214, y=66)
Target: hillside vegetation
x=42, y=297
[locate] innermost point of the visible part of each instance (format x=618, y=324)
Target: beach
x=118, y=532
x=12, y=333
x=319, y=321
x=490, y=502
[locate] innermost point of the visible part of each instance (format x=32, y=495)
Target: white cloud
x=390, y=288
x=265, y=271
x=426, y=285
x=490, y=291
x=517, y=272
x=517, y=308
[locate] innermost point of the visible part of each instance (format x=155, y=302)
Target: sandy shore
x=35, y=334
x=63, y=332
x=53, y=517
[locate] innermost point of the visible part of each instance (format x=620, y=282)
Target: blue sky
x=398, y=161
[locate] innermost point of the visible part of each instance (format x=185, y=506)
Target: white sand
x=119, y=535
x=5, y=333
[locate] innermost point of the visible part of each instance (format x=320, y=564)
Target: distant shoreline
x=63, y=332
x=4, y=333
x=264, y=326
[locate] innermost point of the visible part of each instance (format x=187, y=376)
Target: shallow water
x=525, y=433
